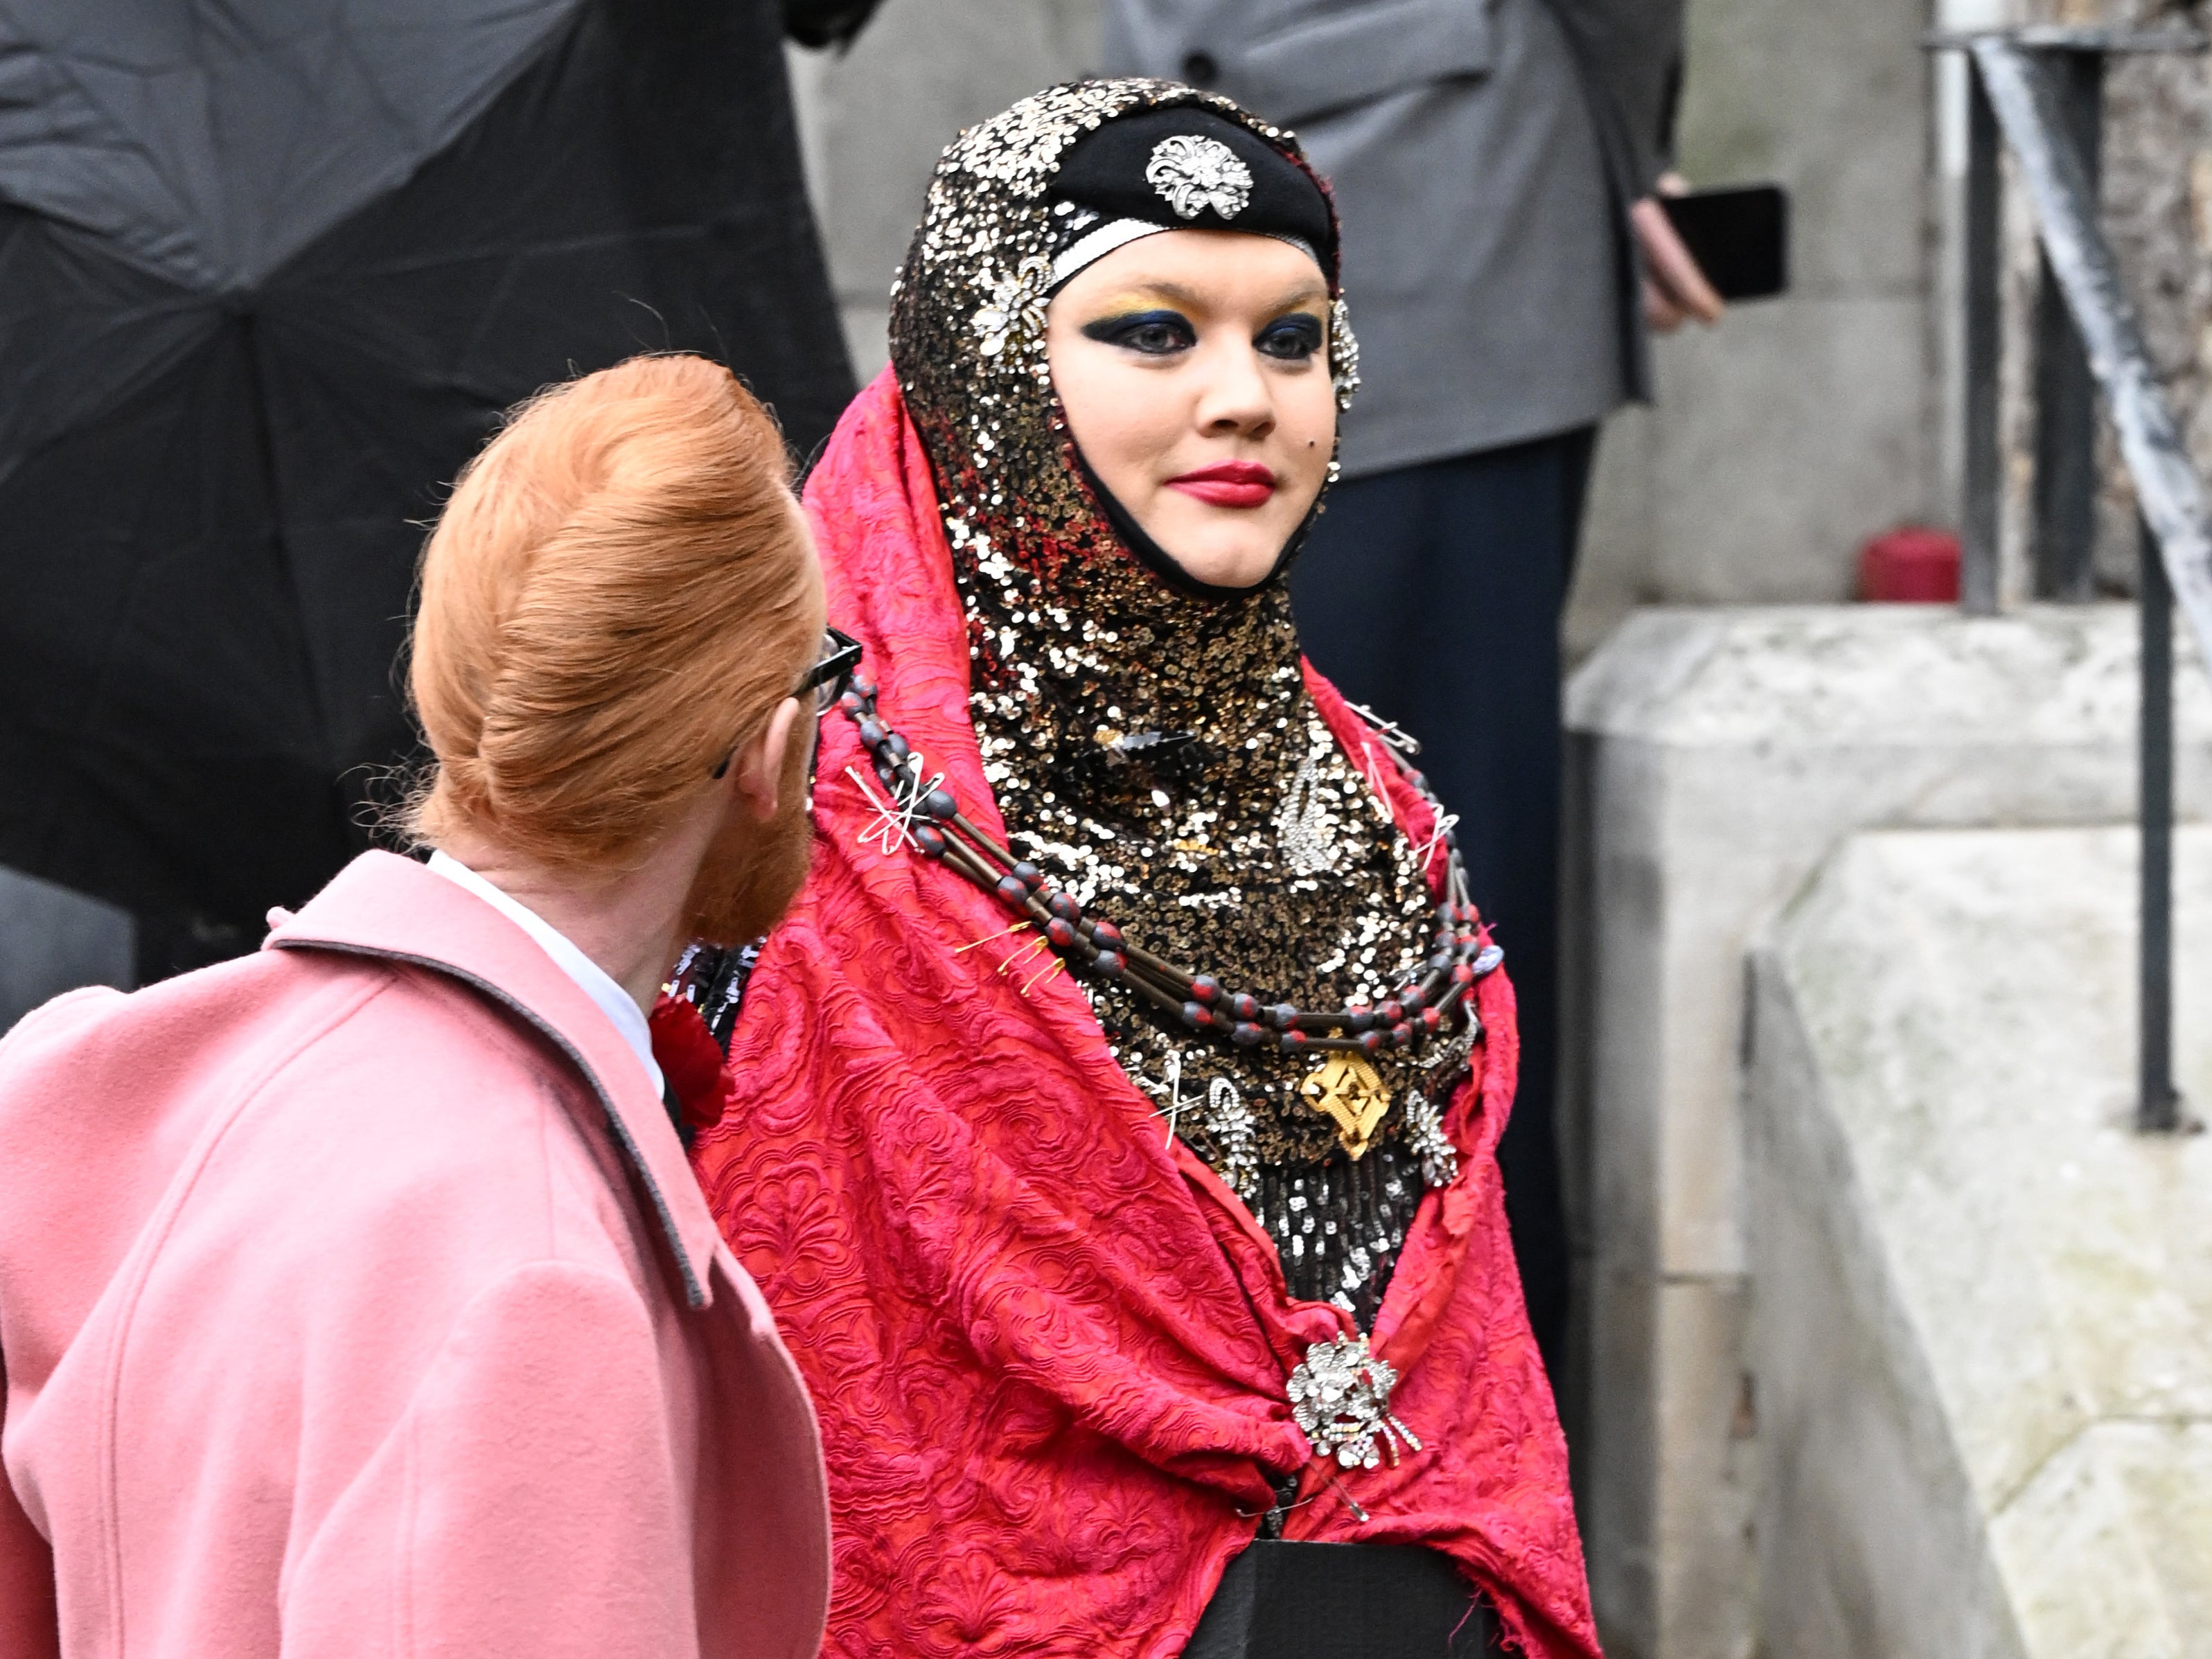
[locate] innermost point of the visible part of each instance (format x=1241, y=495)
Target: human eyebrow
x=1175, y=294
x=1150, y=294
x=1161, y=302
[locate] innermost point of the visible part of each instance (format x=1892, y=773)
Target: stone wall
x=1717, y=757
x=1832, y=414
x=873, y=120
x=2156, y=148
x=2158, y=213
x=1798, y=427
x=1981, y=1303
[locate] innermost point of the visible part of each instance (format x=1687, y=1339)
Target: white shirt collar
x=593, y=981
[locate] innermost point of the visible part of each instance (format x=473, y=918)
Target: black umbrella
x=269, y=271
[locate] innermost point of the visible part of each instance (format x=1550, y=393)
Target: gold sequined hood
x=1155, y=748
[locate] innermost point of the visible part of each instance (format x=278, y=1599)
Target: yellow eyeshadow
x=1136, y=300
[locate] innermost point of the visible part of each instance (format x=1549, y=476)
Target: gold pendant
x=1347, y=1090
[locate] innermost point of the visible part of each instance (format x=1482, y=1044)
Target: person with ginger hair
x=356, y=1297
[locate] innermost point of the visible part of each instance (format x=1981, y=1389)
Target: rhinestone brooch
x=1194, y=172
x=1340, y=1398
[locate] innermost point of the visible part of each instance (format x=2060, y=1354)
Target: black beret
x=1190, y=168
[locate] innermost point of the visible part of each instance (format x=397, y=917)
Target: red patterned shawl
x=1048, y=1346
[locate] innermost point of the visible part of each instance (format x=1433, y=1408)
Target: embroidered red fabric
x=1048, y=1346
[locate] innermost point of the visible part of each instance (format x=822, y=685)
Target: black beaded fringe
x=1340, y=1226
x=715, y=981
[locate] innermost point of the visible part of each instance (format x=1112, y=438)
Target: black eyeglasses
x=825, y=683
x=828, y=678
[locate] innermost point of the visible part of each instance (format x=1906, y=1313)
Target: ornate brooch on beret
x=1192, y=172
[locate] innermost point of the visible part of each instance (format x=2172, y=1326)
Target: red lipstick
x=1228, y=483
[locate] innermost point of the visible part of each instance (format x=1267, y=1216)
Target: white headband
x=1094, y=246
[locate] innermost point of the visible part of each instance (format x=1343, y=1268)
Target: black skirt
x=1290, y=1600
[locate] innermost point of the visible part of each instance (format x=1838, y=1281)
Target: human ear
x=757, y=777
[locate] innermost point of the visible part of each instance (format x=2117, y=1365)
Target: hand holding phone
x=1675, y=290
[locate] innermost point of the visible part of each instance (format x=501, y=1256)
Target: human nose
x=1236, y=400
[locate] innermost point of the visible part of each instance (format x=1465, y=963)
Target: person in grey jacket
x=1493, y=162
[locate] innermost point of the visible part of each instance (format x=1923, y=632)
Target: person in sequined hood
x=1123, y=1174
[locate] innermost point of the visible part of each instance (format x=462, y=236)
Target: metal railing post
x=2157, y=1107
x=2065, y=536
x=2036, y=88
x=1981, y=462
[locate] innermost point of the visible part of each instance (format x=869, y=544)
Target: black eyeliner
x=1105, y=328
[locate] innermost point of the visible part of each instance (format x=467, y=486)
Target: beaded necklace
x=1347, y=1091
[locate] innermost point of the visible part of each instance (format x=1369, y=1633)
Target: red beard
x=753, y=870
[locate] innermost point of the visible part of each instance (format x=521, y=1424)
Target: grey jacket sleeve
x=1631, y=52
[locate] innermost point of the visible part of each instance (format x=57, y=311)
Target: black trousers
x=1433, y=595
x=1295, y=1601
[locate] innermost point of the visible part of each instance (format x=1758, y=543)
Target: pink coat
x=355, y=1298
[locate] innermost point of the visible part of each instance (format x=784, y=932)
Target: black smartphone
x=1739, y=235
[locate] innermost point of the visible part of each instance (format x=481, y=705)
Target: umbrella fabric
x=269, y=271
